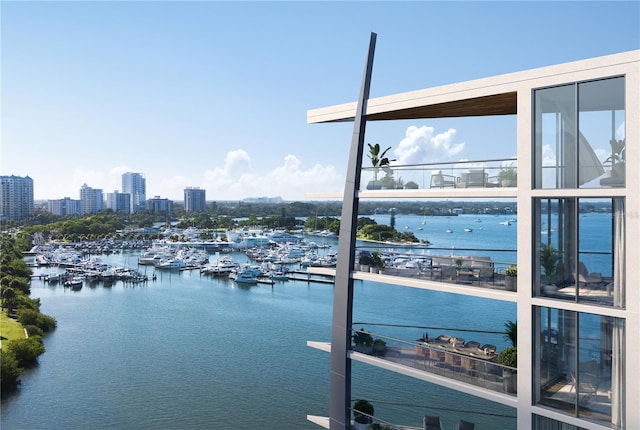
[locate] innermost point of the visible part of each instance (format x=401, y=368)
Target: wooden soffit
x=498, y=104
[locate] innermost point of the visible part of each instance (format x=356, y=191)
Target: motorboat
x=53, y=277
x=278, y=276
x=223, y=267
x=75, y=283
x=171, y=263
x=245, y=278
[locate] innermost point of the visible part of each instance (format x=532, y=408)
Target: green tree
x=511, y=332
x=26, y=351
x=9, y=370
x=8, y=298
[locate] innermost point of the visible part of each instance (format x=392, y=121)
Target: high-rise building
x=577, y=357
x=91, y=199
x=66, y=206
x=16, y=197
x=136, y=186
x=159, y=205
x=118, y=202
x=194, y=199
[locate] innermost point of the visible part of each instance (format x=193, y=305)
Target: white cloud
x=171, y=187
x=235, y=179
x=290, y=180
x=420, y=145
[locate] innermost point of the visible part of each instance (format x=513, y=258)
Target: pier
x=304, y=276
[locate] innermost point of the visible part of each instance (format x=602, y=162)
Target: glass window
x=580, y=135
x=580, y=362
x=544, y=423
x=580, y=250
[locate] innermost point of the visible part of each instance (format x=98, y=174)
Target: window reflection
x=581, y=364
x=580, y=250
x=580, y=135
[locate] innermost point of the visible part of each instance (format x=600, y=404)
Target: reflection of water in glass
x=488, y=235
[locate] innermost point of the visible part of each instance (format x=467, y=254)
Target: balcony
x=477, y=174
x=441, y=359
x=481, y=271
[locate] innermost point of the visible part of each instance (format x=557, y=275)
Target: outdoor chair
x=488, y=347
x=586, y=388
x=475, y=178
x=431, y=422
x=440, y=180
x=585, y=279
x=472, y=344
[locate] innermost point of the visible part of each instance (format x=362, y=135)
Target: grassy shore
x=9, y=328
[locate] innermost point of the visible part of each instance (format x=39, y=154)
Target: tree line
x=15, y=288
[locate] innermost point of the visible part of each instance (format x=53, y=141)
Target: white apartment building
x=135, y=185
x=66, y=206
x=16, y=197
x=91, y=199
x=569, y=375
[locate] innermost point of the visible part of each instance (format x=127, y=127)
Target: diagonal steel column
x=340, y=376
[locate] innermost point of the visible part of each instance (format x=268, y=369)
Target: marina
x=255, y=335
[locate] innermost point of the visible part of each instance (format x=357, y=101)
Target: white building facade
x=135, y=185
x=91, y=199
x=65, y=206
x=577, y=355
x=16, y=197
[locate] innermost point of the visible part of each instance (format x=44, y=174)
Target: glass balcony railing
x=494, y=173
x=446, y=356
x=477, y=269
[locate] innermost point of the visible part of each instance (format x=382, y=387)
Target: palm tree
x=511, y=332
x=378, y=159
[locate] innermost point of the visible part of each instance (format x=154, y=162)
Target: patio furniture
x=585, y=388
x=472, y=344
x=440, y=180
x=488, y=347
x=586, y=278
x=473, y=178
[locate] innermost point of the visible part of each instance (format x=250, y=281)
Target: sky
x=215, y=94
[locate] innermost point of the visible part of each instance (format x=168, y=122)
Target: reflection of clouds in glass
x=548, y=156
x=420, y=145
x=620, y=131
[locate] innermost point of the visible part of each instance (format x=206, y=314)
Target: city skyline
x=214, y=94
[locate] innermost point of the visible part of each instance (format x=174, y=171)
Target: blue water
x=196, y=352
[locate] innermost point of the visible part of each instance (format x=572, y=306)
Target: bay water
x=195, y=352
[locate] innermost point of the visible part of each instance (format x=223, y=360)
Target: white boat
x=278, y=276
x=223, y=267
x=75, y=282
x=468, y=230
x=245, y=278
x=52, y=277
x=505, y=223
x=449, y=230
x=171, y=263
